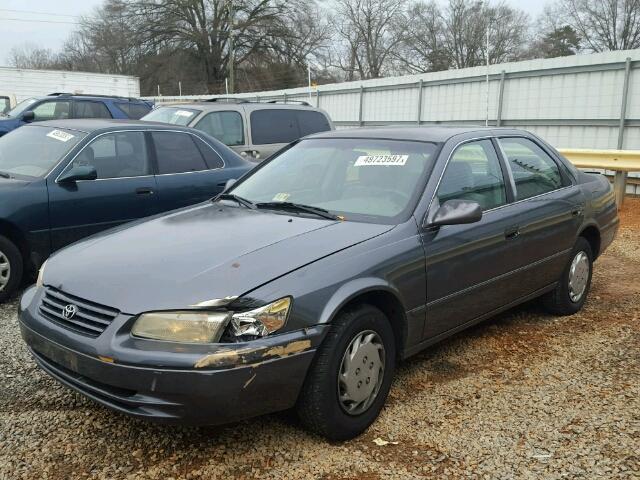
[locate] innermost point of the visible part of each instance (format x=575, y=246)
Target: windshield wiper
x=5, y=175
x=298, y=207
x=242, y=201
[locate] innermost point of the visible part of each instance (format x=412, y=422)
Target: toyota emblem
x=69, y=311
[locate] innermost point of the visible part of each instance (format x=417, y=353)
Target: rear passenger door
x=189, y=171
x=549, y=208
x=125, y=189
x=471, y=268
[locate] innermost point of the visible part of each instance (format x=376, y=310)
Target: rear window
x=177, y=153
x=285, y=126
x=134, y=111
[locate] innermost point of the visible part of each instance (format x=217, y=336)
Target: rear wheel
x=571, y=292
x=350, y=379
x=11, y=268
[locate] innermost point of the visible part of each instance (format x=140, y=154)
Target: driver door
x=125, y=189
x=471, y=269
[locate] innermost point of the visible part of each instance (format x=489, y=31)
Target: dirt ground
x=524, y=395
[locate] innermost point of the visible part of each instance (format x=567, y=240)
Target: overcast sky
x=54, y=21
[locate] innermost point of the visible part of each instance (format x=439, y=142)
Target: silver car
x=255, y=130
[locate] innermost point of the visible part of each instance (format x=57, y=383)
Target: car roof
x=89, y=125
x=248, y=105
x=436, y=134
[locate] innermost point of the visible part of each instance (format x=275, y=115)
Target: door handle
x=251, y=153
x=144, y=191
x=576, y=212
x=511, y=233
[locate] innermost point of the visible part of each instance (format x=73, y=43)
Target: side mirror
x=28, y=116
x=457, y=212
x=229, y=184
x=80, y=172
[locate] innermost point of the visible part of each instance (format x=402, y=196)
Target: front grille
x=89, y=318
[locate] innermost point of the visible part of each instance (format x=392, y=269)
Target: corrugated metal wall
x=32, y=83
x=572, y=102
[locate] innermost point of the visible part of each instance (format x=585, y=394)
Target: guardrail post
x=317, y=97
x=419, y=102
x=620, y=180
x=284, y=96
x=360, y=120
x=500, y=97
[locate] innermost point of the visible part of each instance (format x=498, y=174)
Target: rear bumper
x=206, y=394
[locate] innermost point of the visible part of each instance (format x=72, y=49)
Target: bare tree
x=603, y=24
x=31, y=56
x=369, y=32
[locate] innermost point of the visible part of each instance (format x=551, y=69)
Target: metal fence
x=583, y=101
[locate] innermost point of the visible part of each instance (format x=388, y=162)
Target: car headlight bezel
x=259, y=322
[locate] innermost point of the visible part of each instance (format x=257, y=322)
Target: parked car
x=7, y=102
x=256, y=130
x=63, y=180
x=62, y=106
x=305, y=282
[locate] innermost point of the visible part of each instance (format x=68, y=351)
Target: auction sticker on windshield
x=365, y=160
x=60, y=135
x=184, y=113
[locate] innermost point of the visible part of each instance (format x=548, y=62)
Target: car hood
x=11, y=183
x=196, y=255
x=8, y=123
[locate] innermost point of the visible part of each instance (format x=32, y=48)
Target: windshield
x=32, y=151
x=173, y=115
x=23, y=106
x=358, y=179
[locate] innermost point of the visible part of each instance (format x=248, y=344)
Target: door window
x=474, y=174
x=134, y=111
x=87, y=109
x=224, y=126
x=534, y=172
x=212, y=158
x=54, y=110
x=177, y=153
x=273, y=126
x=116, y=155
x=5, y=104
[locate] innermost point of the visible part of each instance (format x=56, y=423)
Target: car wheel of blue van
x=350, y=377
x=11, y=268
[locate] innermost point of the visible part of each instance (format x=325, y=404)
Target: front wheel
x=571, y=292
x=349, y=381
x=11, y=268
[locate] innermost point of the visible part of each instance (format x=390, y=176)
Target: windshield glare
x=32, y=151
x=172, y=115
x=360, y=179
x=23, y=106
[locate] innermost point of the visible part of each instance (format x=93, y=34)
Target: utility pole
x=232, y=57
x=309, y=75
x=486, y=120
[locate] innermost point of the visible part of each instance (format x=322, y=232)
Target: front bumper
x=229, y=383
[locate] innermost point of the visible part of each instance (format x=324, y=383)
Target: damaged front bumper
x=172, y=383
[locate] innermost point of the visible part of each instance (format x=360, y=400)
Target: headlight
x=261, y=321
x=40, y=281
x=188, y=326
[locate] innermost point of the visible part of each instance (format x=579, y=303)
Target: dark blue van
x=64, y=180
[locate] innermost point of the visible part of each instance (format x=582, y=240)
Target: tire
x=11, y=268
x=559, y=301
x=319, y=407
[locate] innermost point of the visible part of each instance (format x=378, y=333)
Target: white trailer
x=24, y=83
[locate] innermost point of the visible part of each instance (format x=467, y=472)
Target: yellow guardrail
x=620, y=161
x=617, y=160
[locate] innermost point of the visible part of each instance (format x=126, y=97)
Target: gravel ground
x=525, y=395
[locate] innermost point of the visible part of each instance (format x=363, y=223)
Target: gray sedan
x=305, y=282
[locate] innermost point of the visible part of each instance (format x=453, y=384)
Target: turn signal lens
x=261, y=321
